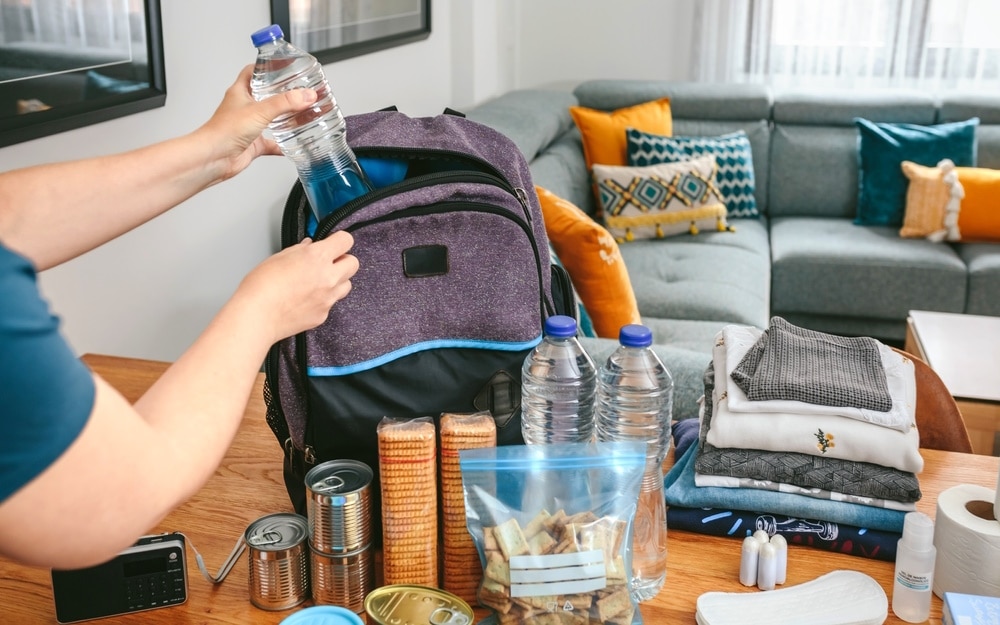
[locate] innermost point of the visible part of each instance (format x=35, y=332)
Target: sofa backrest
x=957, y=106
x=805, y=143
x=814, y=146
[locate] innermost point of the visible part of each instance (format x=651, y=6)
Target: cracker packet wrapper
x=407, y=456
x=553, y=527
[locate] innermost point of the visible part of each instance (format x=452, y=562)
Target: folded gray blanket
x=789, y=362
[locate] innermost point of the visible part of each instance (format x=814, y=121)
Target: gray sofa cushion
x=714, y=276
x=549, y=119
x=833, y=267
x=687, y=99
x=562, y=170
x=813, y=171
x=983, y=260
x=839, y=108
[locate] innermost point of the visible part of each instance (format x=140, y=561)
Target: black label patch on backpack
x=425, y=260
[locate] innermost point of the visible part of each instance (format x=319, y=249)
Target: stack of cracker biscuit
x=407, y=452
x=462, y=568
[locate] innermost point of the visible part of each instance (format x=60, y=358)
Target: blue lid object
x=635, y=335
x=323, y=615
x=560, y=326
x=267, y=35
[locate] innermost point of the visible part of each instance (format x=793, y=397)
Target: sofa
x=803, y=258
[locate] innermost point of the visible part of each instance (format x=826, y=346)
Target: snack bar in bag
x=553, y=527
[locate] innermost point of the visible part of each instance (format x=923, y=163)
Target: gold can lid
x=410, y=604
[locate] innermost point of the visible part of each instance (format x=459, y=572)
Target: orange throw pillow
x=948, y=203
x=595, y=265
x=604, y=141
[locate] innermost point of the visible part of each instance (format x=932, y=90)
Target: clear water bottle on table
x=558, y=386
x=634, y=403
x=314, y=139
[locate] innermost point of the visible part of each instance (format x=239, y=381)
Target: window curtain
x=106, y=24
x=923, y=44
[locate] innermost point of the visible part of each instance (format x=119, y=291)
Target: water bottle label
x=558, y=574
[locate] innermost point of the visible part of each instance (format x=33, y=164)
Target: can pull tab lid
x=447, y=616
x=226, y=566
x=330, y=484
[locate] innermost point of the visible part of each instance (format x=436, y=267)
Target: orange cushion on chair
x=595, y=265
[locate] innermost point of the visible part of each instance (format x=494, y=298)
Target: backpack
x=454, y=285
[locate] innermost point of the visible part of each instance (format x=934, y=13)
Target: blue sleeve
x=46, y=392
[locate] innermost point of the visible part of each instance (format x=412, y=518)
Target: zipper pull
x=522, y=197
x=310, y=455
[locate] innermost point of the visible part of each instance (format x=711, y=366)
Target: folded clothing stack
x=804, y=433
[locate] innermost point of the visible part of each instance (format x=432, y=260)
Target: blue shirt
x=46, y=392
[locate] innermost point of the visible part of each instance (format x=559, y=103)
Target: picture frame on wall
x=333, y=30
x=65, y=65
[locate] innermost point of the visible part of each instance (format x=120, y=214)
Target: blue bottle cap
x=267, y=35
x=560, y=326
x=635, y=335
x=323, y=615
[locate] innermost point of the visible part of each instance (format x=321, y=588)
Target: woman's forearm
x=53, y=213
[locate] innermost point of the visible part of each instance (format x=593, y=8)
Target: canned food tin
x=278, y=566
x=342, y=579
x=339, y=506
x=406, y=604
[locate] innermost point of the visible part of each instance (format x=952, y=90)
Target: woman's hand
x=294, y=289
x=236, y=126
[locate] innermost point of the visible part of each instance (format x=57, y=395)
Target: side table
x=965, y=351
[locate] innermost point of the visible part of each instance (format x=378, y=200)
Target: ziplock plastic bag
x=553, y=528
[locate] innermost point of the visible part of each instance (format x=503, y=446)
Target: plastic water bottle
x=558, y=385
x=314, y=139
x=634, y=402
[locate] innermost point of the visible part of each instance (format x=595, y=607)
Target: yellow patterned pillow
x=661, y=200
x=948, y=203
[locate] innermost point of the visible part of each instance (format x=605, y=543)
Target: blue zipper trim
x=334, y=371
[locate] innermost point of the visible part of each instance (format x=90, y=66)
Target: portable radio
x=150, y=574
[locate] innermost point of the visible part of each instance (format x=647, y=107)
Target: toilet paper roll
x=996, y=500
x=967, y=538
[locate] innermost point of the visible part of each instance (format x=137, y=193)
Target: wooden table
x=249, y=485
x=965, y=351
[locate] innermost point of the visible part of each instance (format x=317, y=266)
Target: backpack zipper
x=451, y=177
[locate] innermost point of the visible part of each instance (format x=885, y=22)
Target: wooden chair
x=939, y=420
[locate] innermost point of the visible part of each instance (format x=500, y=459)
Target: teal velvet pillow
x=883, y=147
x=735, y=177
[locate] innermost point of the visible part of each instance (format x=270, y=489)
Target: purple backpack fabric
x=454, y=285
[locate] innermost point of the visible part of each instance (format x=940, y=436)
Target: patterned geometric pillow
x=735, y=178
x=660, y=200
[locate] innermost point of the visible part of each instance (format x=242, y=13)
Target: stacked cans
x=278, y=565
x=340, y=533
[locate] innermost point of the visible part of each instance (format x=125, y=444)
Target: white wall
x=561, y=41
x=149, y=293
